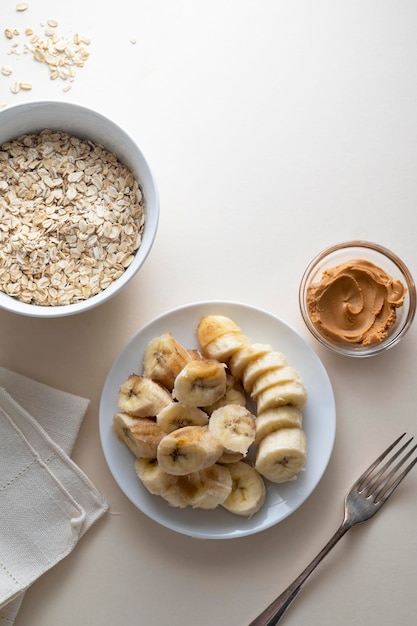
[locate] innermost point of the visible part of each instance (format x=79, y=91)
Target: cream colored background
x=274, y=129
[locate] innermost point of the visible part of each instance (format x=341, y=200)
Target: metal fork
x=363, y=500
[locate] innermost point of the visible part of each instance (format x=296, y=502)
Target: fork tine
x=378, y=481
x=359, y=484
x=382, y=496
x=379, y=485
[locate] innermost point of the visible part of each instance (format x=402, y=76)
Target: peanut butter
x=355, y=302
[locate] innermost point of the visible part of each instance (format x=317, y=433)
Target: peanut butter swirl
x=355, y=302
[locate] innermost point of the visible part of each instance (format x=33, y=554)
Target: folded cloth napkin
x=46, y=502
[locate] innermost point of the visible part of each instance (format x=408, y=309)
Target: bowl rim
x=346, y=349
x=8, y=302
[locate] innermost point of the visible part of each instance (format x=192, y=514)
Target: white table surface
x=274, y=129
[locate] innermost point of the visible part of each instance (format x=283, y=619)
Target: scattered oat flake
x=61, y=55
x=22, y=6
x=6, y=70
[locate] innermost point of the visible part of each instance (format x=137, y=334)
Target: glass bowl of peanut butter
x=357, y=298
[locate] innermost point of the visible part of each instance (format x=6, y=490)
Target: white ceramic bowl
x=33, y=117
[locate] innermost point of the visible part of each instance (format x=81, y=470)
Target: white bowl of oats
x=79, y=208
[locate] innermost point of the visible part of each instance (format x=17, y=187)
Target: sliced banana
x=247, y=354
x=160, y=483
x=153, y=478
x=140, y=434
x=222, y=348
x=248, y=490
x=195, y=355
x=234, y=426
x=280, y=417
x=187, y=450
x=260, y=366
x=281, y=455
x=293, y=393
x=177, y=415
x=273, y=377
x=163, y=360
x=230, y=457
x=211, y=327
x=208, y=488
x=234, y=394
x=200, y=383
x=176, y=494
x=205, y=489
x=188, y=423
x=142, y=397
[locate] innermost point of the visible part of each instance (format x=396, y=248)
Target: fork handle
x=273, y=613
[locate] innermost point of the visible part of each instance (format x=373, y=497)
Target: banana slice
x=177, y=415
x=273, y=377
x=142, y=397
x=176, y=494
x=211, y=327
x=163, y=360
x=195, y=355
x=230, y=457
x=223, y=347
x=281, y=417
x=234, y=395
x=247, y=354
x=208, y=488
x=140, y=434
x=205, y=489
x=200, y=383
x=281, y=455
x=248, y=490
x=153, y=478
x=160, y=483
x=260, y=366
x=187, y=450
x=293, y=393
x=234, y=427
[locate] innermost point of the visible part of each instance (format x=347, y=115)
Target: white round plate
x=319, y=421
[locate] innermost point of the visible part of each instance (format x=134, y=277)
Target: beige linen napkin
x=46, y=502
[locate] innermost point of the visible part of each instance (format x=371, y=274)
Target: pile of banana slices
x=187, y=422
